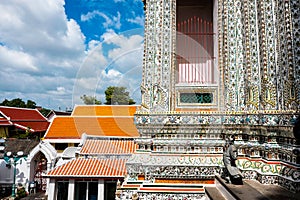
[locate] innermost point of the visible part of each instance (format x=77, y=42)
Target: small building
x=22, y=123
x=53, y=113
x=99, y=139
x=25, y=161
x=98, y=120
x=7, y=166
x=95, y=172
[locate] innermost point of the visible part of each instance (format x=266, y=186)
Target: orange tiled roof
x=105, y=110
x=91, y=168
x=74, y=127
x=104, y=146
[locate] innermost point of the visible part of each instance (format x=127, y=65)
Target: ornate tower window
x=195, y=56
x=196, y=46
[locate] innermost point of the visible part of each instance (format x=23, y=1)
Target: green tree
x=5, y=102
x=117, y=95
x=30, y=104
x=44, y=111
x=90, y=100
x=14, y=103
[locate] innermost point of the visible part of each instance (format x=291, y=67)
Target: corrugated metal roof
x=90, y=168
x=111, y=146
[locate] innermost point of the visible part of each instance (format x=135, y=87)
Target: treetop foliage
x=117, y=96
x=113, y=95
x=90, y=100
x=19, y=103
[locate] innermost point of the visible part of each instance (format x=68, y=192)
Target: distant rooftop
x=105, y=110
x=23, y=118
x=74, y=127
x=91, y=168
x=111, y=146
x=55, y=112
x=97, y=120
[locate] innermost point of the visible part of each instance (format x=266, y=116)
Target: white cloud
x=40, y=51
x=137, y=20
x=110, y=33
x=111, y=74
x=121, y=66
x=25, y=62
x=38, y=26
x=43, y=55
x=113, y=21
x=59, y=91
x=125, y=45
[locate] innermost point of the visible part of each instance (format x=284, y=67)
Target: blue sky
x=54, y=51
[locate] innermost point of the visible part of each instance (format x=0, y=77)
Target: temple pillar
x=71, y=189
x=101, y=189
x=51, y=190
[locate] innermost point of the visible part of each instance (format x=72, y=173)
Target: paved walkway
x=36, y=196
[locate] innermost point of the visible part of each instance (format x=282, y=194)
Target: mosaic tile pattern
x=159, y=51
x=258, y=98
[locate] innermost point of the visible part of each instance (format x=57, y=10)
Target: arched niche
x=41, y=160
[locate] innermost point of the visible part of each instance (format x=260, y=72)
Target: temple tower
x=180, y=66
x=214, y=68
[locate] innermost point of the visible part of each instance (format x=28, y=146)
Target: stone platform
x=250, y=190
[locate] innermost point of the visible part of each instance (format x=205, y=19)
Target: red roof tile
x=91, y=168
x=105, y=110
x=105, y=146
x=74, y=127
x=20, y=114
x=4, y=122
x=34, y=126
x=24, y=118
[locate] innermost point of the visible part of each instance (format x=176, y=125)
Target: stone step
x=160, y=185
x=185, y=190
x=133, y=185
x=171, y=188
x=253, y=190
x=214, y=194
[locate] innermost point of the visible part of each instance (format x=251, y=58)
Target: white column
x=101, y=189
x=51, y=190
x=48, y=179
x=30, y=169
x=87, y=191
x=71, y=190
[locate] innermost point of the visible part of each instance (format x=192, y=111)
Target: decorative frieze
x=265, y=118
x=146, y=196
